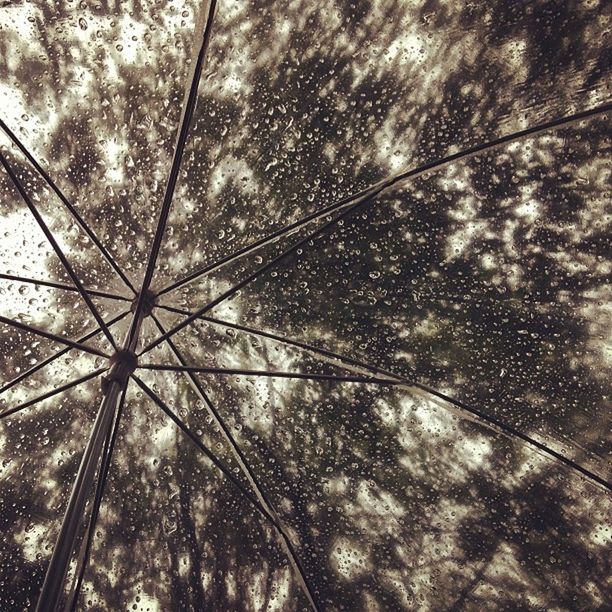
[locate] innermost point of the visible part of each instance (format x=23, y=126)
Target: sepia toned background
x=485, y=279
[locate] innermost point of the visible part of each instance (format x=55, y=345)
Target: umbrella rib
x=54, y=285
x=48, y=394
x=512, y=432
x=288, y=341
x=73, y=211
x=58, y=251
x=239, y=456
x=351, y=204
x=107, y=455
x=55, y=356
x=179, y=149
x=270, y=374
x=405, y=382
x=228, y=474
x=232, y=290
x=376, y=189
x=50, y=336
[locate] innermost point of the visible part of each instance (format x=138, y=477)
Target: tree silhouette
x=484, y=279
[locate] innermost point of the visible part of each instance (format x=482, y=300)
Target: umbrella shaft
x=53, y=586
x=123, y=364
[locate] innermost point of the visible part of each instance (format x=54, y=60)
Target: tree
x=485, y=279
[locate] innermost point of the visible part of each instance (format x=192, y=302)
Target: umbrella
x=304, y=306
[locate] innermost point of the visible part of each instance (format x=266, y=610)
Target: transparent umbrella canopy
x=304, y=305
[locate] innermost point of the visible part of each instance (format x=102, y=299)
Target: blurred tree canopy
x=485, y=279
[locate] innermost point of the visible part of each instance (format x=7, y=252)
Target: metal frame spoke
x=54, y=285
x=48, y=394
x=73, y=211
x=272, y=374
x=58, y=251
x=55, y=356
x=349, y=205
x=50, y=336
x=512, y=433
x=319, y=351
x=179, y=149
x=483, y=418
x=370, y=192
x=228, y=474
x=239, y=456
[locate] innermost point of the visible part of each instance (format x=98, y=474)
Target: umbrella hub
x=122, y=363
x=148, y=302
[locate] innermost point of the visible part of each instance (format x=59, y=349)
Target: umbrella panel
x=235, y=349
x=66, y=367
x=107, y=150
x=28, y=252
x=148, y=333
x=174, y=533
x=400, y=503
x=205, y=288
x=21, y=350
x=302, y=105
x=486, y=280
x=178, y=393
x=53, y=310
